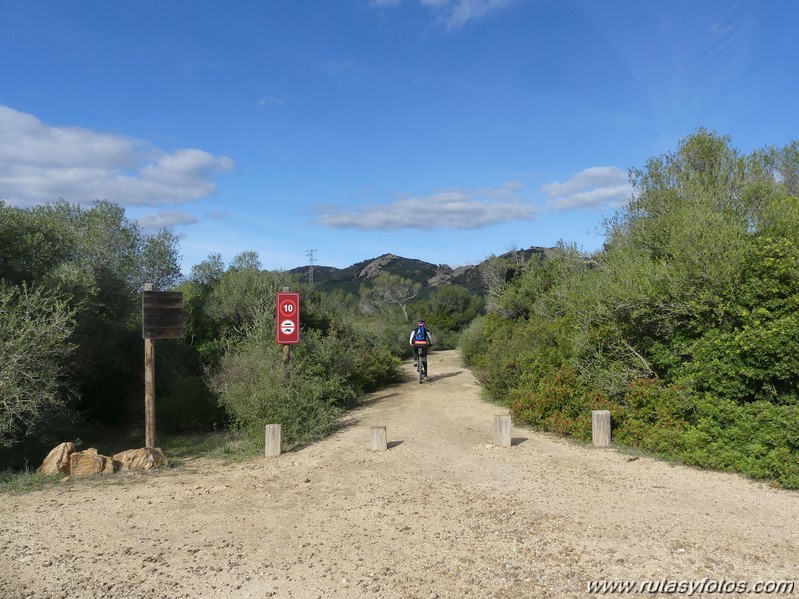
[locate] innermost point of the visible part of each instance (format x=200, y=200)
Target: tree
x=390, y=290
x=210, y=270
x=452, y=307
x=34, y=340
x=494, y=272
x=242, y=294
x=158, y=260
x=95, y=261
x=685, y=324
x=247, y=260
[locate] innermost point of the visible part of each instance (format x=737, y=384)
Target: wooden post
x=379, y=438
x=502, y=430
x=149, y=387
x=273, y=445
x=286, y=360
x=600, y=428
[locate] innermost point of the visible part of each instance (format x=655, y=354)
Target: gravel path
x=442, y=513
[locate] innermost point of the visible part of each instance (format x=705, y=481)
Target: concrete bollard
x=379, y=438
x=600, y=428
x=502, y=430
x=273, y=440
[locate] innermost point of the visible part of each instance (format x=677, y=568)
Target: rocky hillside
x=352, y=278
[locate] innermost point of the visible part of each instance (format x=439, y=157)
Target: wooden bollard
x=273, y=445
x=502, y=430
x=379, y=438
x=600, y=428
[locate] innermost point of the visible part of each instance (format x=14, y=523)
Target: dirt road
x=442, y=513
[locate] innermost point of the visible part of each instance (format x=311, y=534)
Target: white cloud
x=162, y=220
x=595, y=187
x=42, y=163
x=464, y=11
x=453, y=13
x=271, y=101
x=454, y=209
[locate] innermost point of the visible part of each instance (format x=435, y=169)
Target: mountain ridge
x=429, y=275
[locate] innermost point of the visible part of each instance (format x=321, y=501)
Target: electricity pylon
x=311, y=261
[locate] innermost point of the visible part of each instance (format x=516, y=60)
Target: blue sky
x=443, y=130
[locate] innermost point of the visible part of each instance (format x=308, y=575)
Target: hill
x=352, y=278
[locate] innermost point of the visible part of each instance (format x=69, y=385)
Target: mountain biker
x=420, y=340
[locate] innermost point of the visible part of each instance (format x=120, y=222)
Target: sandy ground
x=442, y=513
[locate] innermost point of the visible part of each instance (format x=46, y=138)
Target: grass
x=488, y=398
x=224, y=445
x=179, y=450
x=26, y=482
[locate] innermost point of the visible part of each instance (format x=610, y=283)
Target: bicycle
x=420, y=351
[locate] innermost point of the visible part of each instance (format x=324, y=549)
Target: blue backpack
x=420, y=336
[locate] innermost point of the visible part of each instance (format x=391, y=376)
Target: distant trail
x=442, y=513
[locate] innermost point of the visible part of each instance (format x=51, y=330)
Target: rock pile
x=64, y=459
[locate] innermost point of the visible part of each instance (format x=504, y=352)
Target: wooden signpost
x=162, y=318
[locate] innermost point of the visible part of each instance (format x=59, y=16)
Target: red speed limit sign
x=287, y=317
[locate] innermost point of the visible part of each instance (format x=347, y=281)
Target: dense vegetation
x=685, y=325
x=71, y=359
x=68, y=314
x=231, y=338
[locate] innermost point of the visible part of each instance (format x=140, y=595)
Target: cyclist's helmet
x=421, y=323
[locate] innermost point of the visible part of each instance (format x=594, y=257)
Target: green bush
x=35, y=328
x=448, y=311
x=654, y=417
x=327, y=374
x=759, y=439
x=472, y=341
x=503, y=351
x=443, y=339
x=557, y=402
x=187, y=405
x=95, y=261
x=685, y=323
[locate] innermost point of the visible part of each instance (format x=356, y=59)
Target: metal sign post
x=287, y=317
x=287, y=323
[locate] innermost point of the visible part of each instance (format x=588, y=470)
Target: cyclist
x=420, y=340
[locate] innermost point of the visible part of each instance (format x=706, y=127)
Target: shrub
x=557, y=402
x=34, y=332
x=472, y=341
x=654, y=417
x=187, y=405
x=327, y=374
x=759, y=439
x=257, y=389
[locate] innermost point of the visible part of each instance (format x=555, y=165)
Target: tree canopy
x=685, y=323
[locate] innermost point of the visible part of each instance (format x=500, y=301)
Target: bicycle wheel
x=419, y=366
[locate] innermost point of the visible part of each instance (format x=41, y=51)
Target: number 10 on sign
x=287, y=317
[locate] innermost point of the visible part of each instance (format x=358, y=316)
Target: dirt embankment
x=442, y=513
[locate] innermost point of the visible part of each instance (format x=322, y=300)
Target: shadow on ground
x=446, y=375
x=378, y=399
